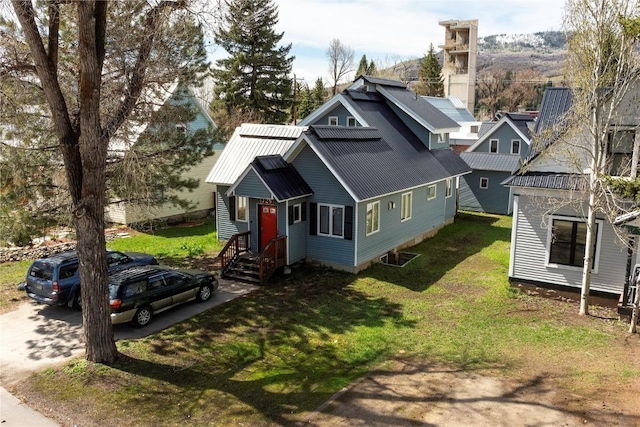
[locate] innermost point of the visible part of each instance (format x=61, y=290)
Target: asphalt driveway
x=36, y=336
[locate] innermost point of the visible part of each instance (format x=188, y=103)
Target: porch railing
x=273, y=255
x=238, y=244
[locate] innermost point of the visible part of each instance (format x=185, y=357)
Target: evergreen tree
x=255, y=79
x=319, y=93
x=363, y=66
x=430, y=75
x=304, y=101
x=371, y=69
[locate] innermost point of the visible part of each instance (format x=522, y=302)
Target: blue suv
x=55, y=280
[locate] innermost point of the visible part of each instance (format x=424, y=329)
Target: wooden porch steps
x=244, y=269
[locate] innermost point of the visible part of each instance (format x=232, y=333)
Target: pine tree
x=430, y=75
x=362, y=66
x=255, y=79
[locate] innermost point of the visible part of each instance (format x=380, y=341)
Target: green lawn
x=278, y=353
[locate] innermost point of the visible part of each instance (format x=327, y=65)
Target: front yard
x=272, y=357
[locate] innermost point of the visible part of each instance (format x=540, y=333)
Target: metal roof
x=247, y=142
x=395, y=161
x=550, y=181
x=491, y=161
x=282, y=179
x=485, y=127
x=452, y=107
x=555, y=105
x=383, y=82
x=435, y=119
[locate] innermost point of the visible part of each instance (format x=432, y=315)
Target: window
x=515, y=146
x=405, y=209
x=493, y=145
x=296, y=213
x=484, y=183
x=241, y=208
x=431, y=192
x=181, y=129
x=330, y=220
x=333, y=121
x=351, y=121
x=449, y=192
x=474, y=129
x=373, y=217
x=566, y=242
x=620, y=151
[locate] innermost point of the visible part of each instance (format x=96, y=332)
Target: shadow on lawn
x=468, y=235
x=274, y=351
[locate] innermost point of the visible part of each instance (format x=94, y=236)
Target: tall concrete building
x=459, y=65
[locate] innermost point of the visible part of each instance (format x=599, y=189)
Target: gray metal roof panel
x=555, y=106
x=549, y=181
x=485, y=127
x=423, y=109
x=282, y=179
x=451, y=161
x=491, y=161
x=326, y=132
x=449, y=107
x=247, y=142
x=383, y=82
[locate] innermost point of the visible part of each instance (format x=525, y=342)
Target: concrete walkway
x=35, y=336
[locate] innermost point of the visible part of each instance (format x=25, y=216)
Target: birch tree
x=340, y=59
x=602, y=67
x=95, y=66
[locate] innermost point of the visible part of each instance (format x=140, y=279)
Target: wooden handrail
x=239, y=243
x=273, y=255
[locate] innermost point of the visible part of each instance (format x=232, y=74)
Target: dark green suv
x=136, y=294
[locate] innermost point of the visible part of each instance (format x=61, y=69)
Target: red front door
x=268, y=224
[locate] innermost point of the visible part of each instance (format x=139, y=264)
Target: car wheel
x=77, y=300
x=143, y=316
x=204, y=293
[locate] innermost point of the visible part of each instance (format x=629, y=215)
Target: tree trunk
x=89, y=210
x=635, y=155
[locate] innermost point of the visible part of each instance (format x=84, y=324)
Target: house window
x=373, y=217
x=431, y=192
x=493, y=146
x=351, y=121
x=474, y=129
x=449, y=192
x=330, y=220
x=620, y=151
x=484, y=183
x=566, y=242
x=405, y=210
x=515, y=146
x=241, y=208
x=333, y=120
x=181, y=129
x=297, y=208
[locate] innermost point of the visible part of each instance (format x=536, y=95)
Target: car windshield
x=41, y=270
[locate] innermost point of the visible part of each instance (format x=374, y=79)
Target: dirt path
x=407, y=394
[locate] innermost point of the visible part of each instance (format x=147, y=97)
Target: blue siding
x=426, y=215
x=420, y=131
x=495, y=199
x=504, y=134
x=326, y=189
x=226, y=227
x=252, y=186
x=451, y=203
x=340, y=112
x=297, y=241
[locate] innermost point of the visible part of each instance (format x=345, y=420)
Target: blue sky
x=389, y=31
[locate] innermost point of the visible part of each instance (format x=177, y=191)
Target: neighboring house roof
x=556, y=102
x=453, y=107
x=247, y=142
x=491, y=161
x=485, y=127
x=280, y=177
x=547, y=180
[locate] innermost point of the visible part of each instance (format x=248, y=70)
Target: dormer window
x=493, y=146
x=515, y=146
x=351, y=121
x=333, y=120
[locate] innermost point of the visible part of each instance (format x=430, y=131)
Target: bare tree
x=340, y=59
x=603, y=66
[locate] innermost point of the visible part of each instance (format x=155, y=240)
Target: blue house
x=371, y=172
x=496, y=155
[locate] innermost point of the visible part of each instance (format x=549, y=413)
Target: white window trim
x=449, y=188
x=375, y=226
x=596, y=255
x=331, y=118
x=350, y=120
x=297, y=207
x=519, y=146
x=486, y=186
x=497, y=146
x=435, y=192
x=246, y=210
x=330, y=234
x=410, y=195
